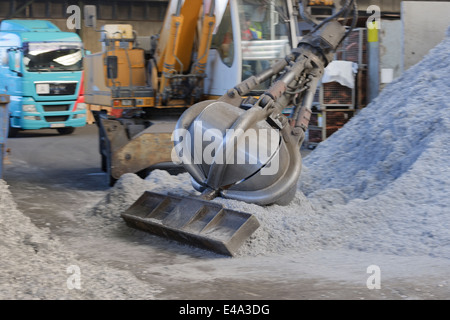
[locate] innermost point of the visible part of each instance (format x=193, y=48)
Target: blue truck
x=41, y=69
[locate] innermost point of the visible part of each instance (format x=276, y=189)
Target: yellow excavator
x=198, y=55
x=220, y=77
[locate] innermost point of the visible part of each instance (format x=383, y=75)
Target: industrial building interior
x=210, y=152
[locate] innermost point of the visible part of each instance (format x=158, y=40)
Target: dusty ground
x=55, y=178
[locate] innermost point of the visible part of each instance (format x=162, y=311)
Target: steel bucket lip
x=191, y=220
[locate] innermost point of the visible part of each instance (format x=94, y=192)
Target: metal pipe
x=212, y=8
x=373, y=51
x=250, y=83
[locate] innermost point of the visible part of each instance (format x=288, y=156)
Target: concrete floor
x=53, y=177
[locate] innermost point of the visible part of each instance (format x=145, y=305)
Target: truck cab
x=41, y=68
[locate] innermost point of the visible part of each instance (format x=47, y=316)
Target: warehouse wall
x=386, y=5
x=424, y=25
x=145, y=16
x=91, y=36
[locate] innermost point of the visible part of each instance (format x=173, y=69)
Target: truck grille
x=57, y=107
x=56, y=118
x=57, y=88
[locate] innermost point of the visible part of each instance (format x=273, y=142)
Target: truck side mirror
x=14, y=62
x=90, y=16
x=111, y=67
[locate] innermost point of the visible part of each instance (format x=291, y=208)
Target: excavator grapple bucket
x=192, y=221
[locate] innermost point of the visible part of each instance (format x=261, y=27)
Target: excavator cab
x=250, y=36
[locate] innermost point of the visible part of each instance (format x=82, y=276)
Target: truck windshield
x=53, y=56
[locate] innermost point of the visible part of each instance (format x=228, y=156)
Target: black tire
x=67, y=130
x=110, y=180
x=12, y=132
x=103, y=163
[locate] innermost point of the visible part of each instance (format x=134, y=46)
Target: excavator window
x=264, y=35
x=223, y=39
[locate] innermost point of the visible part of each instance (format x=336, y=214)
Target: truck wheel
x=12, y=132
x=67, y=130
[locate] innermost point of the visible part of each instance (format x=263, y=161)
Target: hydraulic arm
x=273, y=165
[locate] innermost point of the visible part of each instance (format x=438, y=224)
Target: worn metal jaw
x=251, y=160
x=249, y=154
x=272, y=176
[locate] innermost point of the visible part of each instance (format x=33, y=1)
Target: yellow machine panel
x=130, y=68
